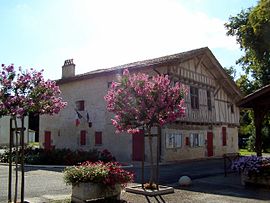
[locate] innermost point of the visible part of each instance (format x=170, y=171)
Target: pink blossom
x=25, y=92
x=142, y=101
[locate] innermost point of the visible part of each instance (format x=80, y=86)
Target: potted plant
x=253, y=169
x=98, y=180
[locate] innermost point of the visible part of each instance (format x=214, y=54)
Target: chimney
x=68, y=69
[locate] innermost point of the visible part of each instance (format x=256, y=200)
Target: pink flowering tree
x=142, y=102
x=22, y=93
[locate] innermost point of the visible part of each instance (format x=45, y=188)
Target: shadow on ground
x=228, y=186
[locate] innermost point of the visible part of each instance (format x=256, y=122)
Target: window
x=83, y=138
x=196, y=140
x=194, y=97
x=109, y=84
x=173, y=140
x=98, y=138
x=80, y=105
x=187, y=141
x=232, y=108
x=224, y=136
x=209, y=104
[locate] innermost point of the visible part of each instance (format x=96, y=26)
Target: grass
x=61, y=201
x=245, y=152
x=33, y=144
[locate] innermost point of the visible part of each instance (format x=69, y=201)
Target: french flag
x=78, y=119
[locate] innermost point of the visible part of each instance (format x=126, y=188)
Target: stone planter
x=93, y=191
x=263, y=180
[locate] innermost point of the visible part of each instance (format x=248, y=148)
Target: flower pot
x=93, y=191
x=263, y=180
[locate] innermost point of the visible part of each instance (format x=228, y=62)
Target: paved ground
x=209, y=185
x=38, y=182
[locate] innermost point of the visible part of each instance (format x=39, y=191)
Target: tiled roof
x=217, y=69
x=261, y=95
x=139, y=64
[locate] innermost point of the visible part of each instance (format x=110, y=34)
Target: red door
x=210, y=144
x=137, y=146
x=47, y=140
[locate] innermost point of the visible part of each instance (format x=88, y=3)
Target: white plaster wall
x=62, y=126
x=5, y=129
x=66, y=135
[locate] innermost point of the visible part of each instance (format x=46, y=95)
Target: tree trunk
x=150, y=139
x=16, y=161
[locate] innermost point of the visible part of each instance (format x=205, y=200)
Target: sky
x=42, y=34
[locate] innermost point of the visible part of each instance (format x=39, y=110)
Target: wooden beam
x=259, y=114
x=217, y=90
x=199, y=62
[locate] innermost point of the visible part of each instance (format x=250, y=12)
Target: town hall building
x=209, y=129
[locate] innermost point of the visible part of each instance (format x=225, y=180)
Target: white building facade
x=210, y=127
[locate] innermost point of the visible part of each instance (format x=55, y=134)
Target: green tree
x=245, y=85
x=231, y=71
x=251, y=27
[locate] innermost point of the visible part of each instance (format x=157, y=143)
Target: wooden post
x=16, y=161
x=10, y=160
x=259, y=114
x=22, y=159
x=143, y=159
x=158, y=156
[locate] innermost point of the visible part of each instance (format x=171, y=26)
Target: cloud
x=105, y=33
x=126, y=31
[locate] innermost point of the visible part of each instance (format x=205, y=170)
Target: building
x=6, y=127
x=210, y=127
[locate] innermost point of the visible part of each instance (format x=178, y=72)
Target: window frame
x=232, y=108
x=80, y=104
x=194, y=97
x=209, y=101
x=109, y=84
x=196, y=140
x=174, y=140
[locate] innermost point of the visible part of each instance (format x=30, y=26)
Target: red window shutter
x=83, y=137
x=98, y=138
x=224, y=136
x=187, y=140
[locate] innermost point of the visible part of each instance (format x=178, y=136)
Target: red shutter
x=83, y=137
x=98, y=138
x=187, y=140
x=224, y=136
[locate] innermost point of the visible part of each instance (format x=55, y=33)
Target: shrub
x=252, y=165
x=108, y=174
x=59, y=156
x=106, y=156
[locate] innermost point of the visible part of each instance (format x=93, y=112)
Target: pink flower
x=25, y=92
x=139, y=100
x=125, y=72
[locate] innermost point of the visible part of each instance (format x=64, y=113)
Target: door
x=137, y=146
x=210, y=151
x=47, y=140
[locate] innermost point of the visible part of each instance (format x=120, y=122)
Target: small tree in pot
x=140, y=101
x=22, y=93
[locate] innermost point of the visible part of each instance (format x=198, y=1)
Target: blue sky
x=104, y=33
